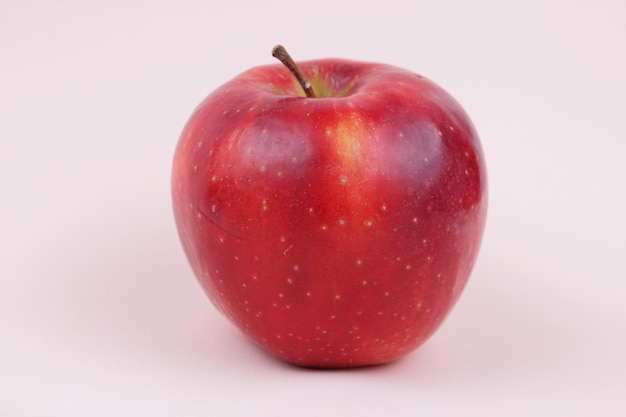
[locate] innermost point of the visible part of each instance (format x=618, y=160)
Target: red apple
x=336, y=228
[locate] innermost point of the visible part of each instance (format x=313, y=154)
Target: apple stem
x=279, y=52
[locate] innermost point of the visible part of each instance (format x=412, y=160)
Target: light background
x=99, y=312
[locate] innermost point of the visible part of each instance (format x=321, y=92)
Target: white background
x=100, y=314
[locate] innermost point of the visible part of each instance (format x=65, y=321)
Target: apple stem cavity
x=279, y=52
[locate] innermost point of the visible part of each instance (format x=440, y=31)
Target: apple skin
x=334, y=231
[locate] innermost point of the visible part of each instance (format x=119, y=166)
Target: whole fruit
x=333, y=210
